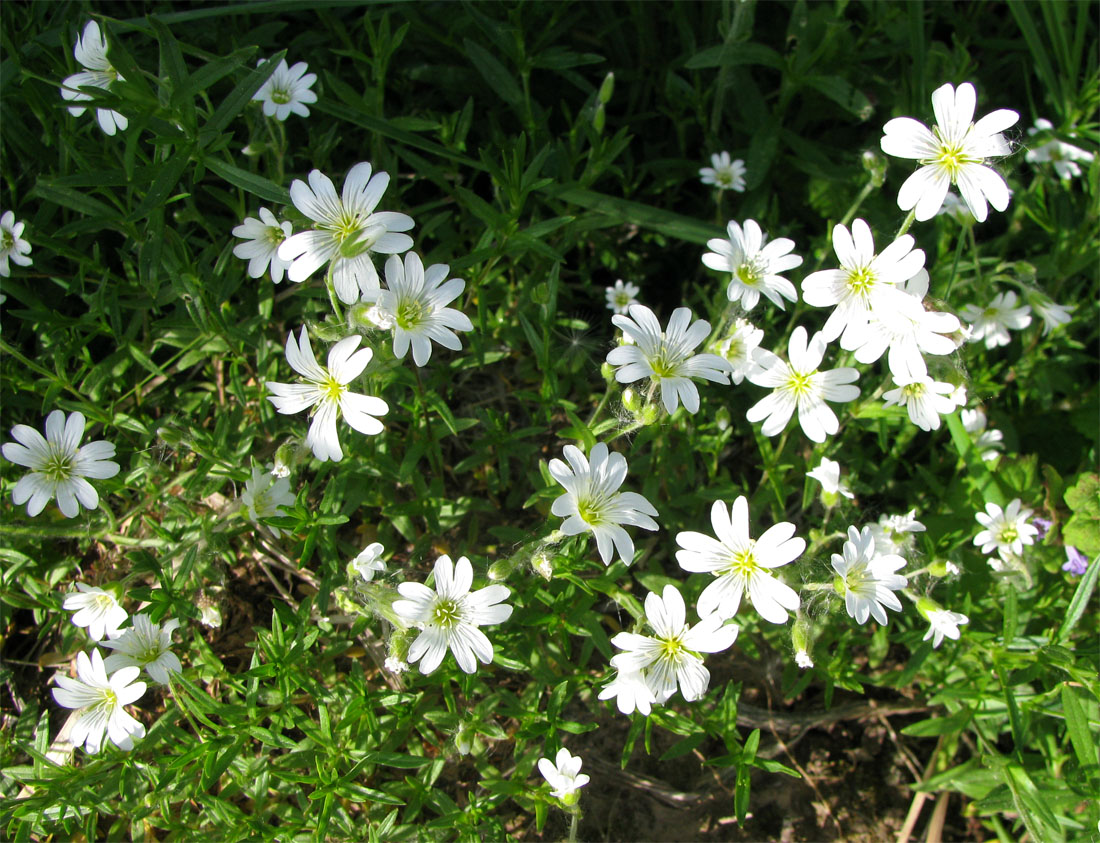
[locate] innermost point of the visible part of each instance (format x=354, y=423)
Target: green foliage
x=539, y=179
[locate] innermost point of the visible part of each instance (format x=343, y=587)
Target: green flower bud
x=607, y=88
x=722, y=418
x=875, y=165
x=607, y=372
x=599, y=118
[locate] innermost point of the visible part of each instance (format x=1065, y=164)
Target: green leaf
x=1077, y=727
x=1079, y=603
x=934, y=726
x=732, y=55
x=250, y=182
x=1083, y=528
x=496, y=74
x=843, y=94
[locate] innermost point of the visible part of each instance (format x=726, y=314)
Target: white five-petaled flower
x=12, y=245
x=907, y=330
x=100, y=702
x=631, y=693
x=369, y=561
x=287, y=90
x=827, y=474
x=450, y=616
x=941, y=622
x=925, y=399
x=954, y=152
x=327, y=388
x=866, y=578
x=800, y=385
x=346, y=230
x=865, y=284
x=414, y=304
x=989, y=442
x=59, y=464
x=263, y=238
x=91, y=52
x=993, y=322
x=593, y=503
x=1064, y=156
x=740, y=349
x=621, y=296
x=666, y=357
x=724, y=173
x=145, y=645
x=1053, y=315
x=754, y=265
x=1005, y=530
x=890, y=533
x=564, y=775
x=741, y=563
x=96, y=609
x=264, y=496
x=670, y=656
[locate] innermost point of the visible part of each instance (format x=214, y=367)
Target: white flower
x=210, y=615
x=941, y=624
x=563, y=775
x=1053, y=315
x=347, y=229
x=395, y=666
x=59, y=464
x=799, y=385
x=866, y=283
x=12, y=245
x=925, y=399
x=954, y=152
x=415, y=305
x=866, y=578
x=146, y=645
x=753, y=266
x=100, y=701
x=91, y=53
x=96, y=609
x=264, y=236
x=369, y=561
x=803, y=660
x=670, y=656
x=723, y=173
x=264, y=496
x=287, y=90
x=630, y=692
x=907, y=330
x=621, y=296
x=1063, y=155
x=890, y=531
x=450, y=616
x=993, y=322
x=1006, y=530
x=593, y=503
x=740, y=349
x=327, y=387
x=741, y=563
x=989, y=442
x=666, y=357
x=827, y=474
x=951, y=568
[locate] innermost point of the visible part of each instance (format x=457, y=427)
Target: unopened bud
x=607, y=372
x=607, y=88
x=599, y=118
x=722, y=418
x=542, y=565
x=632, y=401
x=875, y=165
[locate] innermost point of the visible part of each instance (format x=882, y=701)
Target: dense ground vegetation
x=312, y=668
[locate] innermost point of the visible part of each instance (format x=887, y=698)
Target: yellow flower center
x=58, y=466
x=800, y=384
x=743, y=562
x=950, y=157
x=274, y=235
x=411, y=313
x=280, y=96
x=912, y=391
x=446, y=613
x=333, y=389
x=1008, y=534
x=860, y=281
x=7, y=240
x=750, y=272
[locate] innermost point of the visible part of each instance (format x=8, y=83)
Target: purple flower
x=1043, y=525
x=1078, y=563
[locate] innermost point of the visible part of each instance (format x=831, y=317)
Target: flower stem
x=908, y=222
x=573, y=821
x=863, y=194
x=955, y=263
x=333, y=298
